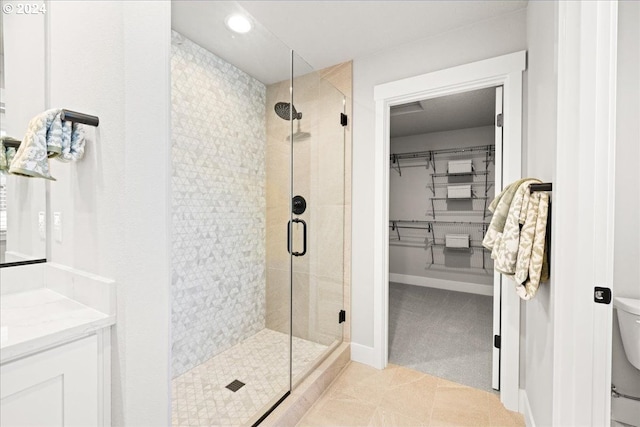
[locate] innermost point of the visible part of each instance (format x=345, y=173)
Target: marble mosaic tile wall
x=218, y=204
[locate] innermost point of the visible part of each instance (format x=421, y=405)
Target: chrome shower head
x=287, y=111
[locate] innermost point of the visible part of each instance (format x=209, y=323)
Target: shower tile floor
x=200, y=396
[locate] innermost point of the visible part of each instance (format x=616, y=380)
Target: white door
x=497, y=277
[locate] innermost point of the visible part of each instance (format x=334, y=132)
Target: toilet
x=629, y=320
x=624, y=410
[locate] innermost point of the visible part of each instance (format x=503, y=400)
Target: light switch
x=57, y=226
x=42, y=225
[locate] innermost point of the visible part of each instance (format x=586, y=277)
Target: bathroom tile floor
x=398, y=396
x=200, y=396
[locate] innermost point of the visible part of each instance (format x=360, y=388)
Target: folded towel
x=538, y=270
x=500, y=208
x=47, y=136
x=6, y=153
x=518, y=237
x=509, y=241
x=527, y=235
x=525, y=207
x=72, y=142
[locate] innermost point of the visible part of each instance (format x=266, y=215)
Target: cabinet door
x=58, y=387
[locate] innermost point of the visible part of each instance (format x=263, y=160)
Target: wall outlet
x=42, y=225
x=57, y=226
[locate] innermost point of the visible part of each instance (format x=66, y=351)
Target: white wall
x=539, y=161
x=627, y=207
x=409, y=199
x=111, y=59
x=490, y=38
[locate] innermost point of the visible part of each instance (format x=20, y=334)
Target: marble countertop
x=38, y=319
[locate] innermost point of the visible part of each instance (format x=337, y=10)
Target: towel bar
x=74, y=116
x=11, y=143
x=68, y=115
x=545, y=186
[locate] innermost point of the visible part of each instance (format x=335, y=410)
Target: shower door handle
x=304, y=237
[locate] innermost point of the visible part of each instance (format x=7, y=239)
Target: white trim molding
x=503, y=71
x=449, y=285
x=583, y=212
x=363, y=354
x=525, y=409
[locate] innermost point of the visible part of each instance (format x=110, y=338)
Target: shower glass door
x=318, y=204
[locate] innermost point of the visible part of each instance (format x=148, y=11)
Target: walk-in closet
x=442, y=179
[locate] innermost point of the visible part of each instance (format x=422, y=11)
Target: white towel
x=47, y=136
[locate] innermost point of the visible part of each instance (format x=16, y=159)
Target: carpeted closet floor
x=442, y=333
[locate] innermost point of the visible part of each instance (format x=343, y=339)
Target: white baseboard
x=450, y=285
x=363, y=354
x=525, y=409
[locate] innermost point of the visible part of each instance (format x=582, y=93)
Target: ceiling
x=258, y=53
x=324, y=33
x=460, y=111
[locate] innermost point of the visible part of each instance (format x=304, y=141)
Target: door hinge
x=343, y=119
x=496, y=341
x=342, y=316
x=499, y=120
x=602, y=295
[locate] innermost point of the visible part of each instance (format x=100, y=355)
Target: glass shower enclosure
x=258, y=198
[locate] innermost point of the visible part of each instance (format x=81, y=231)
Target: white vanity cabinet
x=54, y=362
x=56, y=387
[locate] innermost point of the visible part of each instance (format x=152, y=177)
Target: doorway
x=505, y=71
x=442, y=314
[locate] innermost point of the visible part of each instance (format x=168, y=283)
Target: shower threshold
x=261, y=362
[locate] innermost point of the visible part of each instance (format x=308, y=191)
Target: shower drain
x=235, y=385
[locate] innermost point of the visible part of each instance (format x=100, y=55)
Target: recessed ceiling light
x=238, y=23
